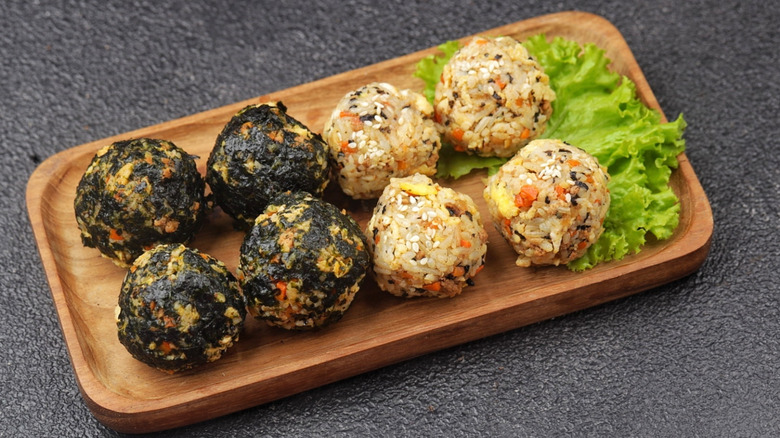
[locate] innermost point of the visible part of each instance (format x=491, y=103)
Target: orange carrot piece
x=113, y=234
x=433, y=287
x=561, y=192
x=457, y=134
x=527, y=196
x=282, y=286
x=354, y=119
x=166, y=347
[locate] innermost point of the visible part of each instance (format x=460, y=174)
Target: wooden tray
x=378, y=330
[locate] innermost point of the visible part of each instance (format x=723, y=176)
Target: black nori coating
x=136, y=194
x=261, y=152
x=154, y=322
x=302, y=262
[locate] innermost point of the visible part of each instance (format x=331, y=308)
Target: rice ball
x=493, y=98
x=378, y=132
x=261, y=152
x=136, y=194
x=425, y=240
x=549, y=202
x=302, y=262
x=179, y=308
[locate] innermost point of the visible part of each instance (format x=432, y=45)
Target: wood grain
x=267, y=363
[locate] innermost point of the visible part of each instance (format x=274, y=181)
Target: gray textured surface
x=698, y=357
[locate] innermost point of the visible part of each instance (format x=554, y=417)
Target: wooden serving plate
x=379, y=329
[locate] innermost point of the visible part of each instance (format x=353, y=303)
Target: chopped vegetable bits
x=179, y=308
x=136, y=194
x=425, y=239
x=492, y=98
x=302, y=262
x=378, y=132
x=549, y=202
x=261, y=152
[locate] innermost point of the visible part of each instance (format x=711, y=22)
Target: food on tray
x=378, y=132
x=425, y=240
x=261, y=152
x=302, y=262
x=136, y=194
x=549, y=202
x=179, y=308
x=599, y=111
x=492, y=98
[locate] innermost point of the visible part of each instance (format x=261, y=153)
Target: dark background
x=697, y=357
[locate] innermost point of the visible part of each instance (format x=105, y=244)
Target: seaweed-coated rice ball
x=378, y=132
x=425, y=240
x=549, y=202
x=136, y=194
x=262, y=151
x=179, y=308
x=302, y=262
x=493, y=98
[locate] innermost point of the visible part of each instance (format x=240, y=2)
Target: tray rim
x=105, y=404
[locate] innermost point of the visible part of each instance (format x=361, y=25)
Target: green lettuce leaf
x=599, y=111
x=429, y=68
